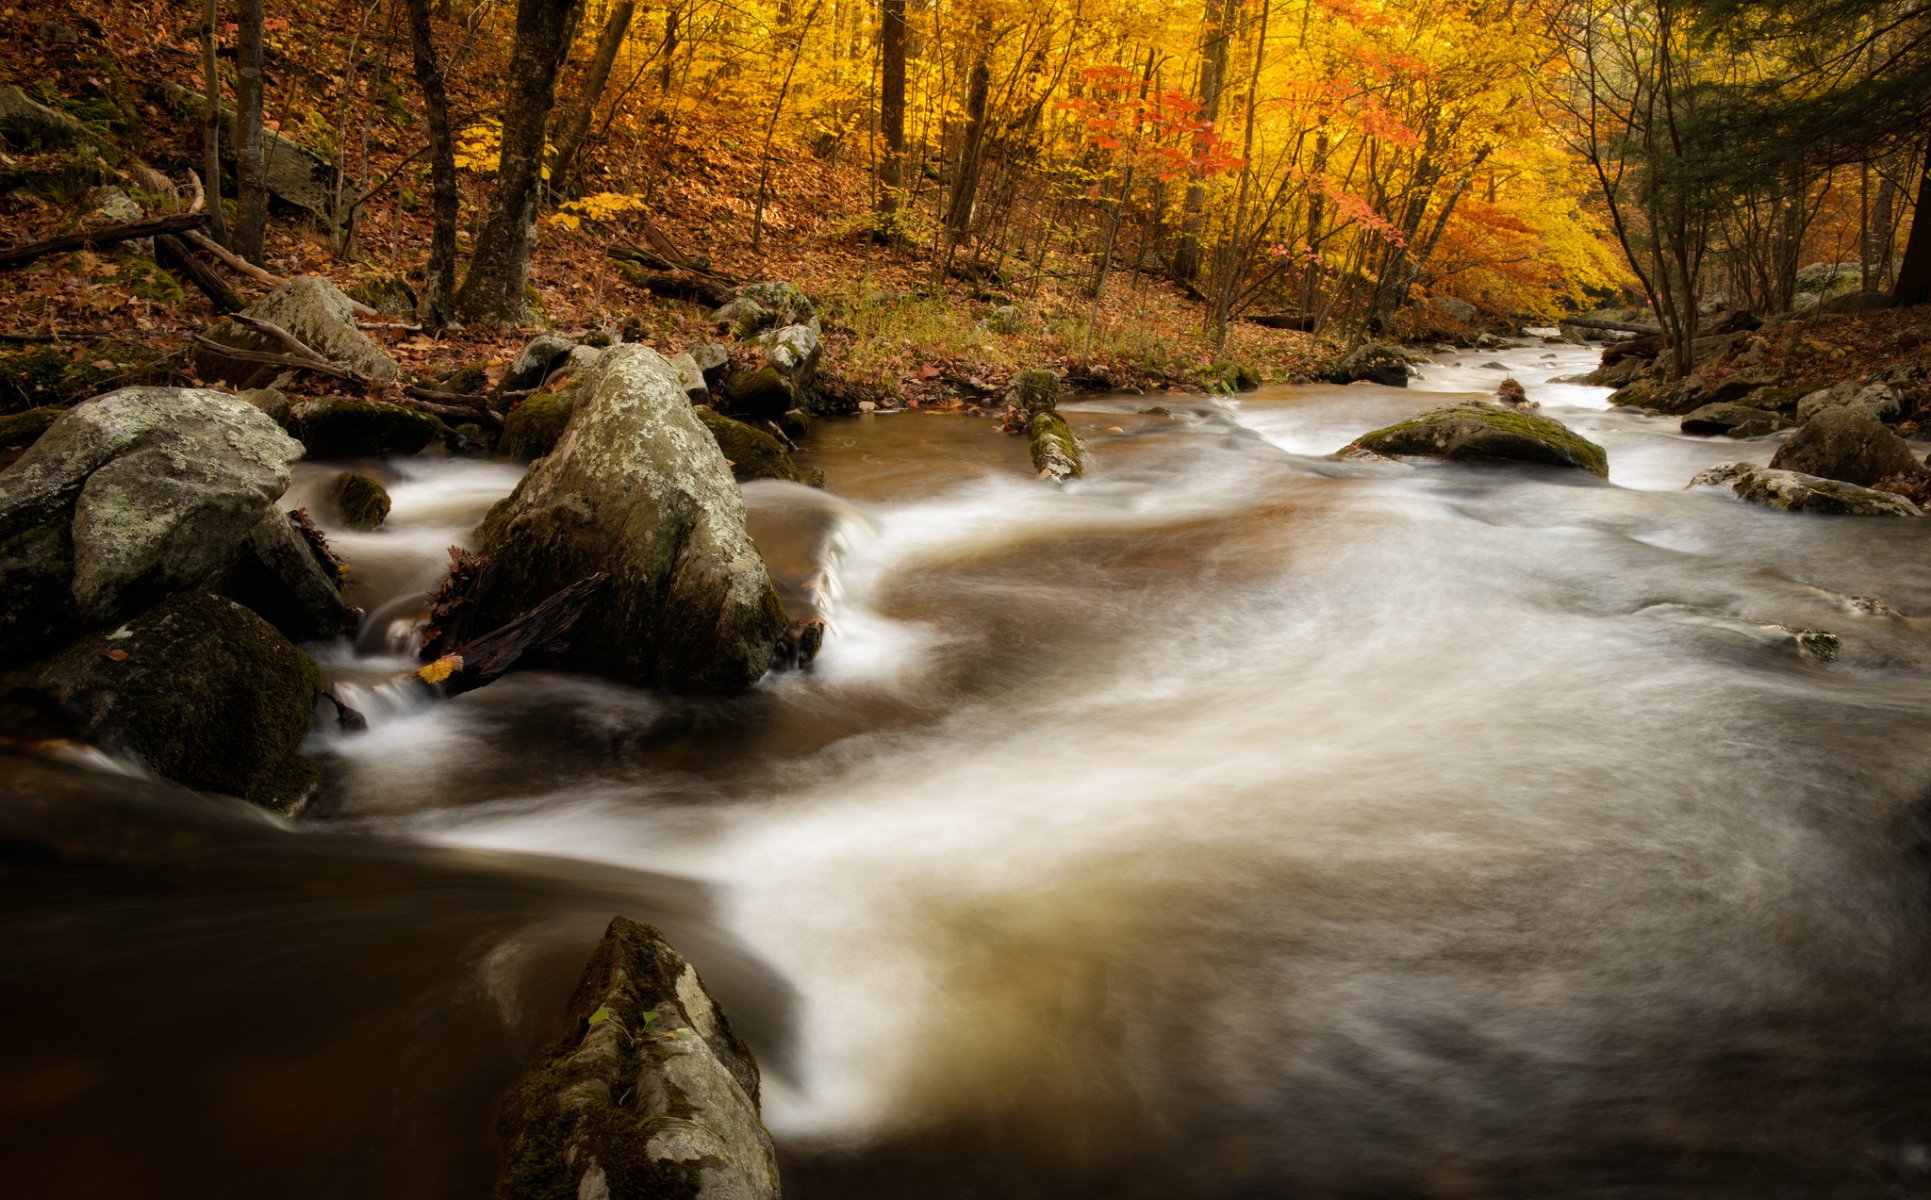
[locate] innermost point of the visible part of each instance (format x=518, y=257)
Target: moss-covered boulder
x=125, y=499
x=786, y=302
x=1056, y=453
x=532, y=428
x=20, y=430
x=1487, y=434
x=648, y=1095
x=389, y=295
x=1034, y=391
x=200, y=691
x=1371, y=362
x=1733, y=420
x=1229, y=376
x=765, y=393
x=338, y=427
x=752, y=453
x=317, y=313
x=360, y=501
x=637, y=489
x=1793, y=491
x=1848, y=444
x=27, y=125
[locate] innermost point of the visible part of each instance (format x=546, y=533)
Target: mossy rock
x=361, y=502
x=148, y=281
x=1056, y=453
x=786, y=302
x=1006, y=319
x=1229, y=376
x=20, y=430
x=1485, y=434
x=29, y=377
x=752, y=453
x=198, y=689
x=337, y=427
x=60, y=178
x=389, y=295
x=472, y=380
x=1158, y=410
x=766, y=392
x=1034, y=391
x=533, y=427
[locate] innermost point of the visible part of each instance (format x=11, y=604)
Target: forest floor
x=895, y=332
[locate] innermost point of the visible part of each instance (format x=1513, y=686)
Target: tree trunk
x=965, y=185
x=1230, y=275
x=576, y=121
x=1218, y=22
x=771, y=128
x=1914, y=273
x=891, y=104
x=500, y=267
x=437, y=303
x=251, y=183
x=211, y=123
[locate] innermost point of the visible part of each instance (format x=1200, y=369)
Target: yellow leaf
x=441, y=669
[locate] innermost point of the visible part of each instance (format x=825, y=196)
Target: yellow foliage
x=441, y=669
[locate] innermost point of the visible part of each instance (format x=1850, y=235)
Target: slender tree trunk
x=669, y=51
x=891, y=104
x=437, y=302
x=771, y=127
x=1914, y=273
x=500, y=267
x=965, y=185
x=1230, y=275
x=575, y=124
x=251, y=185
x=1213, y=71
x=211, y=124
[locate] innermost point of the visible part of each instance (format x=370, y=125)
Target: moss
x=23, y=429
x=343, y=428
x=1055, y=451
x=1034, y=391
x=752, y=453
x=61, y=178
x=1484, y=434
x=766, y=391
x=148, y=281
x=389, y=295
x=1229, y=376
x=533, y=427
x=362, y=502
x=1158, y=410
x=466, y=381
x=31, y=376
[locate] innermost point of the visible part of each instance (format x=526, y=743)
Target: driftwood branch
x=320, y=366
x=485, y=659
x=93, y=239
x=431, y=401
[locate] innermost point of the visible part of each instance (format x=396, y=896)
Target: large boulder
x=532, y=428
x=30, y=126
x=339, y=427
x=1879, y=397
x=1848, y=444
x=317, y=313
x=787, y=380
x=279, y=574
x=1488, y=434
x=637, y=488
x=129, y=497
x=1371, y=362
x=752, y=453
x=1733, y=420
x=648, y=1095
x=1793, y=491
x=200, y=691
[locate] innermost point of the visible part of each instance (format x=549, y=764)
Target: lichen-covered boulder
x=713, y=360
x=691, y=377
x=742, y=317
x=1056, y=452
x=638, y=489
x=1371, y=362
x=1879, y=397
x=199, y=690
x=1733, y=420
x=338, y=427
x=794, y=351
x=1793, y=491
x=787, y=304
x=649, y=1094
x=1486, y=434
x=752, y=453
x=360, y=501
x=126, y=498
x=317, y=313
x=1848, y=444
x=27, y=125
x=1006, y=319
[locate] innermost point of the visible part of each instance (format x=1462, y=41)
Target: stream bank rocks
x=1371, y=362
x=751, y=452
x=650, y=1094
x=637, y=488
x=1486, y=434
x=1793, y=491
x=317, y=313
x=1848, y=444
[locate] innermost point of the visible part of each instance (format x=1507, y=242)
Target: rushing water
x=1236, y=822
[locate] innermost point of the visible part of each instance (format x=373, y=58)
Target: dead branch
x=94, y=239
x=175, y=258
x=486, y=658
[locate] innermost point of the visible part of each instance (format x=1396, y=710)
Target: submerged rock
x=1482, y=433
x=1793, y=491
x=360, y=501
x=752, y=453
x=126, y=498
x=637, y=488
x=1733, y=420
x=649, y=1095
x=317, y=313
x=1848, y=444
x=199, y=690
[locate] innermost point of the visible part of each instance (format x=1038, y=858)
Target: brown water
x=1234, y=823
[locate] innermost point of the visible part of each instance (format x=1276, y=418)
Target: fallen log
x=486, y=658
x=176, y=259
x=1300, y=322
x=413, y=397
x=679, y=286
x=1610, y=326
x=94, y=239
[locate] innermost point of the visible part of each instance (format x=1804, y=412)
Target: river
x=1236, y=822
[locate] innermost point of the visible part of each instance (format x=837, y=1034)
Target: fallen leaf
x=117, y=654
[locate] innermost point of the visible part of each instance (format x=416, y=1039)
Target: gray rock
x=1733, y=420
x=1372, y=362
x=1056, y=452
x=1034, y=391
x=650, y=1093
x=1880, y=398
x=691, y=377
x=713, y=360
x=276, y=573
x=535, y=361
x=580, y=358
x=1454, y=309
x=784, y=301
x=1848, y=444
x=273, y=403
x=1794, y=491
x=787, y=380
x=26, y=125
x=1486, y=434
x=742, y=317
x=1854, y=302
x=126, y=498
x=338, y=427
x=112, y=206
x=638, y=489
x=317, y=313
x=751, y=452
x=1006, y=319
x=200, y=691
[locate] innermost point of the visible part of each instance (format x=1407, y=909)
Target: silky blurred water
x=1235, y=822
